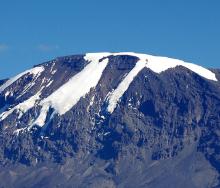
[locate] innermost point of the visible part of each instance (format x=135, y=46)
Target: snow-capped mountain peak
x=68, y=94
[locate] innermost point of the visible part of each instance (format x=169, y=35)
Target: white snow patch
x=40, y=121
x=51, y=69
x=53, y=72
x=105, y=134
x=34, y=71
x=7, y=94
x=49, y=83
x=23, y=107
x=63, y=99
x=90, y=103
x=17, y=132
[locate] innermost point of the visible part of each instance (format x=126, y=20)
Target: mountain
x=111, y=120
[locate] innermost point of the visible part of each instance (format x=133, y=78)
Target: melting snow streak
x=63, y=99
x=123, y=86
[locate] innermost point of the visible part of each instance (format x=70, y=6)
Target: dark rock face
x=165, y=131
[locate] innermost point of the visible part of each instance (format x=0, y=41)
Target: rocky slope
x=111, y=120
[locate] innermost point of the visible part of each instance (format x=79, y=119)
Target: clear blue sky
x=34, y=31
